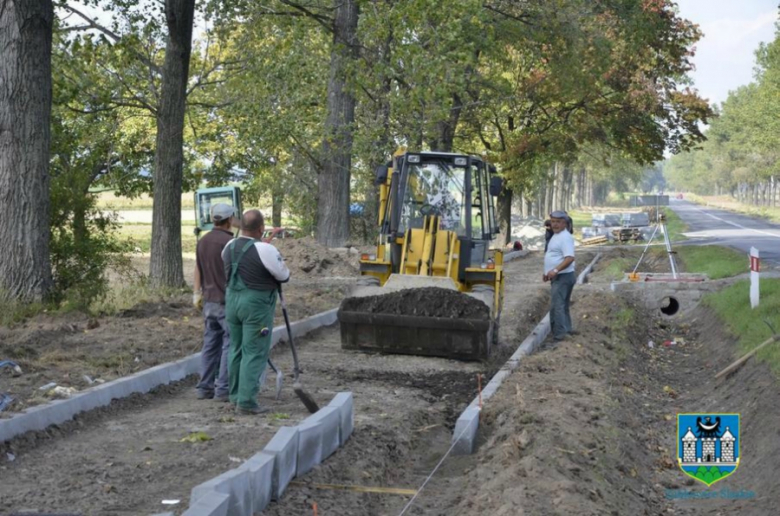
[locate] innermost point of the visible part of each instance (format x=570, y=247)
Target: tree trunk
x=334, y=179
x=504, y=207
x=25, y=111
x=277, y=202
x=446, y=128
x=165, y=268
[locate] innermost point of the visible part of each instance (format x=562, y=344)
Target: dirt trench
x=587, y=427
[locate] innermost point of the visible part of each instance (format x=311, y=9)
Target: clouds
x=732, y=31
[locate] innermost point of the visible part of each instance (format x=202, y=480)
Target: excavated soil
x=587, y=427
x=73, y=349
x=306, y=257
x=422, y=302
x=126, y=458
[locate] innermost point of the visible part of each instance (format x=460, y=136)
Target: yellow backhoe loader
x=436, y=222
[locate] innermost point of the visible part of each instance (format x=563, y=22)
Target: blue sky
x=732, y=30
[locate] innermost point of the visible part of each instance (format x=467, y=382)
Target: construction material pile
x=421, y=302
x=306, y=256
x=530, y=231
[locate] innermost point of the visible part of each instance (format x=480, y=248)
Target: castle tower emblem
x=708, y=445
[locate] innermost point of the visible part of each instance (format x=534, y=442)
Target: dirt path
x=127, y=458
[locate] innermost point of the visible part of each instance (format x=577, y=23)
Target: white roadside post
x=755, y=268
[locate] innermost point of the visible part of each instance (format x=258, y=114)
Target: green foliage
x=746, y=324
x=709, y=475
x=83, y=245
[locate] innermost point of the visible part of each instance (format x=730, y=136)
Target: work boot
x=254, y=411
x=222, y=398
x=203, y=395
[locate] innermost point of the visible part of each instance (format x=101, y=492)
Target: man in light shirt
x=559, y=271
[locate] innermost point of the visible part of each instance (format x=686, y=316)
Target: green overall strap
x=235, y=261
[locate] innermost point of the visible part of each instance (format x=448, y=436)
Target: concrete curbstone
x=514, y=255
x=141, y=382
x=344, y=402
x=181, y=369
x=309, y=446
x=465, y=433
x=261, y=468
x=210, y=503
x=330, y=419
x=284, y=448
x=235, y=484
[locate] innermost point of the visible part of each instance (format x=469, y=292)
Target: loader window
x=478, y=203
x=433, y=188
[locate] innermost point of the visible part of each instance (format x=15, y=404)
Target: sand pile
x=305, y=256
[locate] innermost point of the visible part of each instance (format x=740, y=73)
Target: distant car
x=273, y=234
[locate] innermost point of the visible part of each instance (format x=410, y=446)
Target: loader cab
x=205, y=198
x=458, y=189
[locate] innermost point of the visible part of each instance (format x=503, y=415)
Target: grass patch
x=714, y=261
x=140, y=236
x=732, y=305
x=674, y=225
x=617, y=267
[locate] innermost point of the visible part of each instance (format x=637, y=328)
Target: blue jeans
x=560, y=319
x=214, y=356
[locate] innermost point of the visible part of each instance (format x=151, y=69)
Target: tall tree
x=25, y=108
x=334, y=179
x=165, y=267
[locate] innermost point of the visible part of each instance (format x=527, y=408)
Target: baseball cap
x=558, y=214
x=220, y=212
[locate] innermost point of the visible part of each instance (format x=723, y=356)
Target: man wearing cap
x=254, y=271
x=209, y=296
x=559, y=271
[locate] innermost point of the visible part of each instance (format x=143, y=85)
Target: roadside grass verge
x=675, y=226
x=715, y=261
x=747, y=325
x=616, y=268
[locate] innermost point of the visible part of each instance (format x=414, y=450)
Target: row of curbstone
x=464, y=436
x=42, y=416
x=292, y=452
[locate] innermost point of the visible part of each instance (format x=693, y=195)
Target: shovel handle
x=296, y=369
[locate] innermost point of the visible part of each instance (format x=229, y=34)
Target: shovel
x=279, y=378
x=304, y=396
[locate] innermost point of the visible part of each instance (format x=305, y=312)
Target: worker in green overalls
x=254, y=271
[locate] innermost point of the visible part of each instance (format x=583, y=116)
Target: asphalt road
x=720, y=227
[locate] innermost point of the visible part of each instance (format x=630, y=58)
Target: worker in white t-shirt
x=559, y=271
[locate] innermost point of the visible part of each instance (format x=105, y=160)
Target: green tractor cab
x=205, y=198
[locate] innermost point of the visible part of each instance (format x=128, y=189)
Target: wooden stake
x=734, y=365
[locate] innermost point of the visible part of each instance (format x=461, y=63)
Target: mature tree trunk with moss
x=334, y=178
x=165, y=268
x=25, y=112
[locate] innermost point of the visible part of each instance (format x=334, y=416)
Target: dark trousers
x=560, y=319
x=214, y=356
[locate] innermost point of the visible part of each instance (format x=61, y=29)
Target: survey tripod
x=660, y=223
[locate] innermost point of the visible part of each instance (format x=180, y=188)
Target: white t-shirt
x=561, y=245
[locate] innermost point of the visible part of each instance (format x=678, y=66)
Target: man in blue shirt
x=559, y=271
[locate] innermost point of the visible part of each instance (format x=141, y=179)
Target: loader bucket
x=427, y=321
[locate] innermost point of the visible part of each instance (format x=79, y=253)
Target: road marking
x=736, y=225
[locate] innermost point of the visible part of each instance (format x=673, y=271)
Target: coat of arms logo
x=708, y=445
